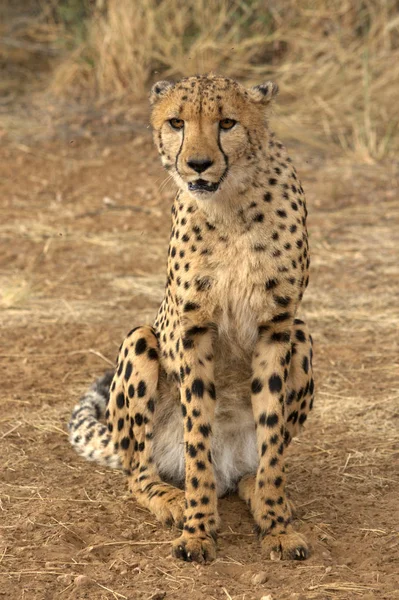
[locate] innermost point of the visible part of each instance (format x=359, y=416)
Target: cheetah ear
x=264, y=93
x=158, y=90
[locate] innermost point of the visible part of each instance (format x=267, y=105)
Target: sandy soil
x=84, y=230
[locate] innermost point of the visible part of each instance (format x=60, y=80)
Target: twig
x=350, y=587
x=109, y=590
x=65, y=589
x=124, y=543
x=10, y=430
x=70, y=530
x=28, y=572
x=105, y=359
x=59, y=499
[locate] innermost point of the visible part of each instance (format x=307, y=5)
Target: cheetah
x=207, y=399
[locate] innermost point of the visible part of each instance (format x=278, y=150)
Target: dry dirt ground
x=84, y=230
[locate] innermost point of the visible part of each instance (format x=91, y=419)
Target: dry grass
x=339, y=58
x=28, y=46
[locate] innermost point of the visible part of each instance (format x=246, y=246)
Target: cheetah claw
x=291, y=546
x=193, y=549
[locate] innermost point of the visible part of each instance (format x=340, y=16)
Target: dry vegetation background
x=84, y=220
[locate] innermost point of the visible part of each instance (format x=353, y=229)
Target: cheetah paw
x=171, y=512
x=194, y=549
x=167, y=508
x=289, y=546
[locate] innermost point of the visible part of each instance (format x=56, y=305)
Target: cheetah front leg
x=130, y=416
x=198, y=398
x=268, y=501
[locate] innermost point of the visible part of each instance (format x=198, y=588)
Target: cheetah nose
x=199, y=164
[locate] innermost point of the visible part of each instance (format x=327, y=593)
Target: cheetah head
x=210, y=132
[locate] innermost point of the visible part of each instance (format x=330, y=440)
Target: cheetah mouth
x=202, y=186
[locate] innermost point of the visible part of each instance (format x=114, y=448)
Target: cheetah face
x=209, y=131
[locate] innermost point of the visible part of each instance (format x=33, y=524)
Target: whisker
x=165, y=182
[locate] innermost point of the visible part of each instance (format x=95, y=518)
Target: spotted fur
x=207, y=399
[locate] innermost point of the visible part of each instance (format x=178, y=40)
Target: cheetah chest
x=239, y=298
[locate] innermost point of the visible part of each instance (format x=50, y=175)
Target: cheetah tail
x=90, y=438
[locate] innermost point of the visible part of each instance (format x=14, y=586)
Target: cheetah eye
x=176, y=123
x=227, y=123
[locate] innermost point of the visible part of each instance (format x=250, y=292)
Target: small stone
x=259, y=578
x=81, y=580
x=328, y=570
x=159, y=595
x=268, y=597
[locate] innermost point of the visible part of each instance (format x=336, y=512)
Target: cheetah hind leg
x=130, y=419
x=298, y=404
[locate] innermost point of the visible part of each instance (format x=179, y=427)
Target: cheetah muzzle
x=207, y=399
x=202, y=186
